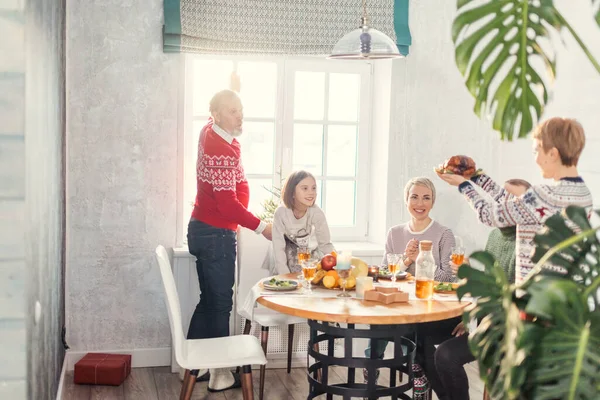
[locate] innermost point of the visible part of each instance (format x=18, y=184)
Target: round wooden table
x=321, y=311
x=356, y=311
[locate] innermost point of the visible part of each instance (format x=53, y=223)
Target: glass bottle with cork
x=424, y=270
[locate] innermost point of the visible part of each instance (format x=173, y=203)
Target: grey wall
x=12, y=202
x=31, y=197
x=45, y=187
x=122, y=95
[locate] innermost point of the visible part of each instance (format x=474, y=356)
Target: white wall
x=432, y=117
x=379, y=140
x=121, y=173
x=577, y=88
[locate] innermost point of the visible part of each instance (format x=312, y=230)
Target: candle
x=363, y=283
x=374, y=272
x=344, y=260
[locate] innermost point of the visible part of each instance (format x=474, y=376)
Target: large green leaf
x=573, y=245
x=555, y=352
x=565, y=361
x=501, y=361
x=497, y=43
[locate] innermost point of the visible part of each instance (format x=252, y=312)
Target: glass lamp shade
x=365, y=43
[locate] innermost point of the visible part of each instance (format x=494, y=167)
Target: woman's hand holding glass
x=412, y=250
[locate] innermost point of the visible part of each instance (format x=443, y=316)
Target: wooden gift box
x=386, y=295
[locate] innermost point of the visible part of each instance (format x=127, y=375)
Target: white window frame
x=284, y=121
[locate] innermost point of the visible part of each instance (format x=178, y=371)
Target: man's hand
x=268, y=232
x=412, y=250
x=459, y=330
x=452, y=179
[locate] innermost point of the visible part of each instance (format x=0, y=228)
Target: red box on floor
x=102, y=369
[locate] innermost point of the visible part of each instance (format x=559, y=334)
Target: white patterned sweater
x=527, y=212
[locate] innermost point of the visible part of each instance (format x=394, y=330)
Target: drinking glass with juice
x=458, y=255
x=309, y=269
x=303, y=254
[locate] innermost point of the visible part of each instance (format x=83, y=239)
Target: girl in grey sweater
x=299, y=223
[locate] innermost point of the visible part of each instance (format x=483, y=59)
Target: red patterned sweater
x=223, y=193
x=527, y=212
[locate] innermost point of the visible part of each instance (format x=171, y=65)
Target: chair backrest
x=172, y=302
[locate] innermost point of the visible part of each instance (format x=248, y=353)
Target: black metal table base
x=318, y=372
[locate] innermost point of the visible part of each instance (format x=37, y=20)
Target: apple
x=328, y=262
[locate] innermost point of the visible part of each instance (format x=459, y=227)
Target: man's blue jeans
x=215, y=251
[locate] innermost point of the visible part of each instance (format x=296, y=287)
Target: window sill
x=359, y=249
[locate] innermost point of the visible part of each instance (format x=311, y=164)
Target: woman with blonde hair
x=419, y=197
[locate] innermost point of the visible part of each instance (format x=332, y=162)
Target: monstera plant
x=503, y=49
x=540, y=339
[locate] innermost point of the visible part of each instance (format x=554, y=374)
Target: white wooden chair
x=268, y=318
x=248, y=272
x=195, y=354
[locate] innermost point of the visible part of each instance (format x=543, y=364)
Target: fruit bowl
x=331, y=279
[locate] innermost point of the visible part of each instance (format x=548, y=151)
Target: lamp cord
x=364, y=8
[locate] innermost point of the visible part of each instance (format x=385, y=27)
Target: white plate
x=399, y=275
x=293, y=285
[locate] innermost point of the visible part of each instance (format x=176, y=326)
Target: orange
x=333, y=273
x=333, y=253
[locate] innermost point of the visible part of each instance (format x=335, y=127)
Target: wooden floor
x=160, y=384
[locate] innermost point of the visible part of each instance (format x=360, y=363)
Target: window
x=298, y=114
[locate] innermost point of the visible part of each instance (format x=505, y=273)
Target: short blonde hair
x=421, y=181
x=219, y=98
x=565, y=134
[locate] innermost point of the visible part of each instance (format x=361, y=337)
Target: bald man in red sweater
x=220, y=207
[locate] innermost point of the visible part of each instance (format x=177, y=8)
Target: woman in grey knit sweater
x=419, y=197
